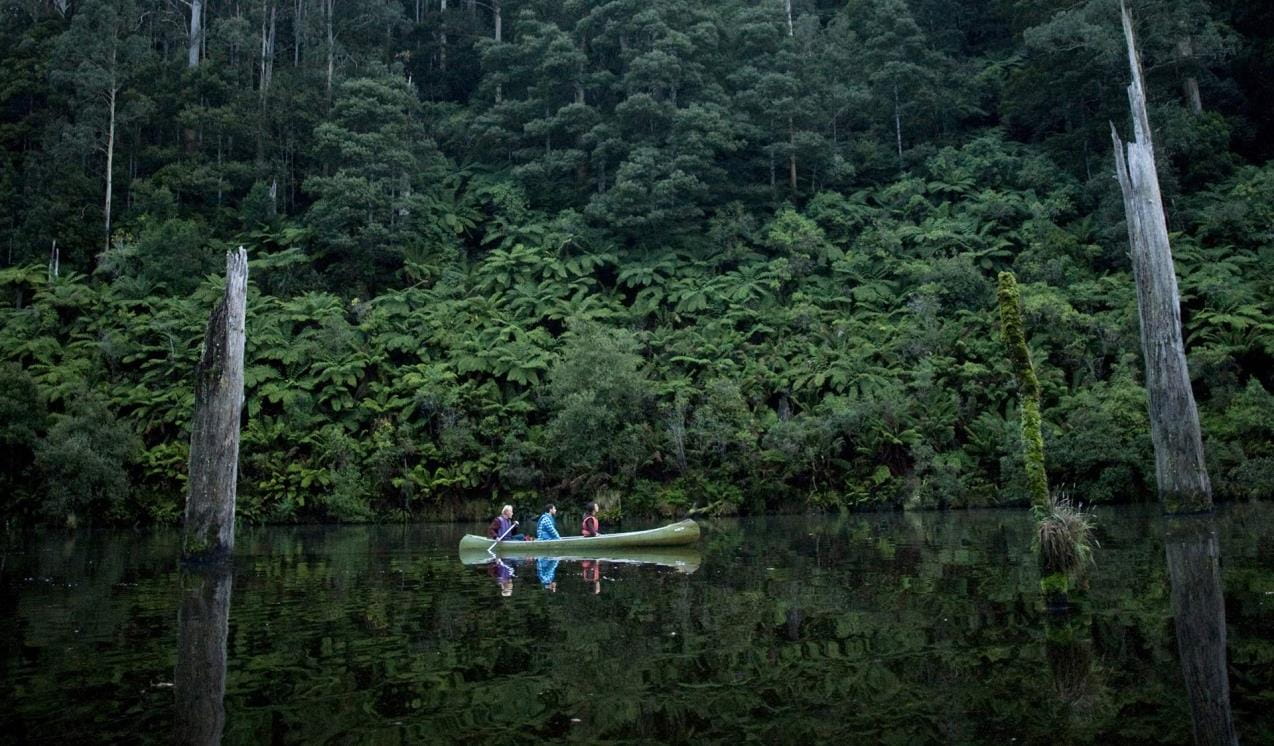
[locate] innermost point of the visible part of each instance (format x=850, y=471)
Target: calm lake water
x=900, y=628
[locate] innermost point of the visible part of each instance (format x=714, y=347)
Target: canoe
x=677, y=534
x=683, y=559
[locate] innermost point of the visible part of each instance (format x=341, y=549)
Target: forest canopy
x=729, y=254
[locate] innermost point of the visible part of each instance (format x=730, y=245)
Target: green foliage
x=22, y=421
x=599, y=399
x=690, y=253
x=85, y=459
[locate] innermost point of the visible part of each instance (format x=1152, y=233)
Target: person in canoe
x=547, y=528
x=590, y=526
x=502, y=526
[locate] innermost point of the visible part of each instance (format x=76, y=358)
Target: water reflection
x=1068, y=647
x=924, y=628
x=591, y=571
x=503, y=572
x=1198, y=609
x=199, y=681
x=505, y=569
x=546, y=570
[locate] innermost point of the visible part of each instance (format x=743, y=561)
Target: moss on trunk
x=1013, y=332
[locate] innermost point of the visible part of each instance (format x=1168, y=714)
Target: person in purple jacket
x=503, y=525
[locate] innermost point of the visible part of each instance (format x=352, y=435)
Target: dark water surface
x=901, y=628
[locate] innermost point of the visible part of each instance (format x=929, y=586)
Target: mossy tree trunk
x=1180, y=471
x=214, y=436
x=1013, y=332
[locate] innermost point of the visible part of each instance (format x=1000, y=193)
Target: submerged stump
x=214, y=435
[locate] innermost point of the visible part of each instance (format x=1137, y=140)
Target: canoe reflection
x=505, y=569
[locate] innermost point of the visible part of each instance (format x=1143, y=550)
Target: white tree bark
x=194, y=41
x=268, y=13
x=442, y=21
x=298, y=25
x=112, y=97
x=329, y=10
x=1180, y=470
x=214, y=435
x=499, y=37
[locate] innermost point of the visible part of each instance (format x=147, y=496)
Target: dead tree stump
x=214, y=436
x=1180, y=471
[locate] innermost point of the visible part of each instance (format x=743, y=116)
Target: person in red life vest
x=590, y=526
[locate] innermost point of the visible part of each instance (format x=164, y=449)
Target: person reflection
x=502, y=571
x=1198, y=609
x=592, y=572
x=546, y=568
x=199, y=681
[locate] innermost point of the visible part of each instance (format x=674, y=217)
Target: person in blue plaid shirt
x=547, y=528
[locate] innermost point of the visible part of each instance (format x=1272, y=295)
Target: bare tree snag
x=1180, y=470
x=214, y=436
x=194, y=40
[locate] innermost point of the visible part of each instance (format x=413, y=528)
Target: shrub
x=85, y=461
x=1064, y=534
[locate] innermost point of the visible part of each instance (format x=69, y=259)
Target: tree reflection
x=200, y=678
x=1198, y=608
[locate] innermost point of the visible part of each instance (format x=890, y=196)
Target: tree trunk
x=112, y=96
x=267, y=48
x=791, y=156
x=1013, y=334
x=214, y=434
x=898, y=125
x=442, y=25
x=1180, y=470
x=1198, y=611
x=1190, y=84
x=199, y=680
x=328, y=10
x=195, y=40
x=498, y=21
x=298, y=20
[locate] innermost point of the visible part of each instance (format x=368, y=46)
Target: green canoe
x=677, y=534
x=683, y=559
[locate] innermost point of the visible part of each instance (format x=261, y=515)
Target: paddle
x=491, y=548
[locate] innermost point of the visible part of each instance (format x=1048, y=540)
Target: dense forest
x=733, y=254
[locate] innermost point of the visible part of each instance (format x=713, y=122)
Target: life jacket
x=590, y=528
x=493, y=531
